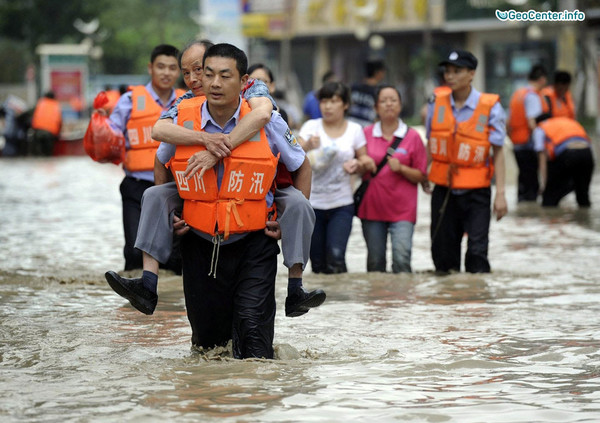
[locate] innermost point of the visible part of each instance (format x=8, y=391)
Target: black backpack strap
x=390, y=151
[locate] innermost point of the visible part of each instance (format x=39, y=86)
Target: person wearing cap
x=566, y=160
x=461, y=127
x=525, y=108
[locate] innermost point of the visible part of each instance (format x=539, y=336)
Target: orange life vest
x=47, y=116
x=239, y=205
x=442, y=90
x=555, y=106
x=460, y=151
x=518, y=127
x=144, y=114
x=561, y=129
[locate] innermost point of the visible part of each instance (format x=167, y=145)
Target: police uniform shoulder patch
x=291, y=139
x=431, y=98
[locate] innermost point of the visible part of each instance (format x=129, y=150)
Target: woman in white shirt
x=336, y=148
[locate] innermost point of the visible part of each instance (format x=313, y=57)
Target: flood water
x=518, y=345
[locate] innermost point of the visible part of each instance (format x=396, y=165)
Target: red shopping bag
x=100, y=142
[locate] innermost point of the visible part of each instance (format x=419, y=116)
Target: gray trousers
x=295, y=215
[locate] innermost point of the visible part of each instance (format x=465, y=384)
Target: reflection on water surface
x=517, y=345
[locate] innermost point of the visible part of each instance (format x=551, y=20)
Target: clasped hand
x=218, y=146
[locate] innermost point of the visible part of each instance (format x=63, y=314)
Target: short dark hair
x=373, y=66
x=562, y=77
x=205, y=43
x=163, y=49
x=331, y=89
x=380, y=88
x=261, y=66
x=329, y=75
x=537, y=71
x=231, y=52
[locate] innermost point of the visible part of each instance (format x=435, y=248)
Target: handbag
x=360, y=192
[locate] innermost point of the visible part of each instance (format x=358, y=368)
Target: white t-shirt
x=331, y=184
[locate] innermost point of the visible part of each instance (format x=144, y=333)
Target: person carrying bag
x=360, y=192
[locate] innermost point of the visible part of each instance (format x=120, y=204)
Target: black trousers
x=43, y=143
x=571, y=170
x=469, y=212
x=529, y=186
x=238, y=304
x=132, y=190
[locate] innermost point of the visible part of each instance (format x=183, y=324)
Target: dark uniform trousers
x=527, y=161
x=238, y=304
x=571, y=170
x=466, y=212
x=132, y=190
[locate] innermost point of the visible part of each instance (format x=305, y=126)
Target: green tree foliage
x=136, y=26
x=133, y=27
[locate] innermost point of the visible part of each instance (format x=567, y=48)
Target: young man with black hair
x=229, y=262
x=162, y=202
x=134, y=115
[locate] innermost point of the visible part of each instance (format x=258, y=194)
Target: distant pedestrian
x=46, y=124
x=525, y=107
x=362, y=104
x=557, y=100
x=566, y=160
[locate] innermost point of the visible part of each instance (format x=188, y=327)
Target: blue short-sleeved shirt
x=311, y=106
x=122, y=113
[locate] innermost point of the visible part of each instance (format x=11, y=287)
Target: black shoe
x=133, y=290
x=300, y=301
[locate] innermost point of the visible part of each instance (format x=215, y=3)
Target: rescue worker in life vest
x=46, y=123
x=134, y=115
x=229, y=263
x=566, y=160
x=524, y=109
x=557, y=100
x=461, y=127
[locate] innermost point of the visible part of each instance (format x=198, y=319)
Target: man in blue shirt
x=525, y=109
x=139, y=175
x=161, y=202
x=237, y=301
x=461, y=199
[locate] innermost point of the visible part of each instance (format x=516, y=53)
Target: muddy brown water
x=517, y=345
